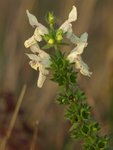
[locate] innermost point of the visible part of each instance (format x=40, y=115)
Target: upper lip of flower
x=66, y=26
x=40, y=29
x=80, y=43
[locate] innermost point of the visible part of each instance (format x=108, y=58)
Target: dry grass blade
x=13, y=119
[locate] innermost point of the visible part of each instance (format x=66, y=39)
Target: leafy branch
x=78, y=111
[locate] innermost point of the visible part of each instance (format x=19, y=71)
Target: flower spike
x=83, y=126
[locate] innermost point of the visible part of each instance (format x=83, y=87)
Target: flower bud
x=59, y=35
x=51, y=41
x=50, y=18
x=59, y=38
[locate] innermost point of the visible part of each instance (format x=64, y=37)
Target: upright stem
x=57, y=50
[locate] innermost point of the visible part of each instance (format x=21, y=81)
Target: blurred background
x=94, y=17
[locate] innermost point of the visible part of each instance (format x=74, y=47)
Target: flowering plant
x=64, y=69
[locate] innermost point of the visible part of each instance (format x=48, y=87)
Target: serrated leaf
x=73, y=78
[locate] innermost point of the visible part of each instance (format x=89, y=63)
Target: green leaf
x=47, y=46
x=85, y=114
x=85, y=129
x=73, y=77
x=94, y=127
x=46, y=37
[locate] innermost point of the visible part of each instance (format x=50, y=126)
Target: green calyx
x=55, y=37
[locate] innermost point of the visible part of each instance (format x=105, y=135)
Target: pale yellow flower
x=41, y=61
x=40, y=30
x=32, y=44
x=31, y=41
x=34, y=23
x=75, y=54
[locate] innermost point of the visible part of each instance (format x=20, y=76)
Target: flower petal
x=42, y=75
x=35, y=61
x=33, y=57
x=44, y=59
x=80, y=48
x=80, y=42
x=35, y=48
x=32, y=19
x=41, y=80
x=76, y=40
x=34, y=64
x=73, y=15
x=37, y=35
x=31, y=41
x=40, y=31
x=67, y=26
x=72, y=37
x=84, y=37
x=72, y=56
x=84, y=69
